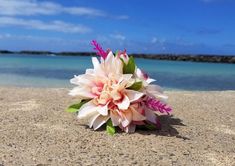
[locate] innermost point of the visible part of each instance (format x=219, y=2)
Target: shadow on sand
x=168, y=123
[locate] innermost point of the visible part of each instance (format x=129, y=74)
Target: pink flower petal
x=103, y=110
x=127, y=118
x=81, y=92
x=150, y=116
x=88, y=109
x=136, y=116
x=154, y=88
x=99, y=121
x=93, y=118
x=95, y=62
x=124, y=104
x=115, y=118
x=133, y=95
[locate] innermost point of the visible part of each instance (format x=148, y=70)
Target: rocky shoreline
x=172, y=57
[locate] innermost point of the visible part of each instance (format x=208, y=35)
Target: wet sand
x=35, y=130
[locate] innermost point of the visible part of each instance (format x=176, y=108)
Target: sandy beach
x=35, y=130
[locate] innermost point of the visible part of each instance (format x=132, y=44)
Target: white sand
x=35, y=130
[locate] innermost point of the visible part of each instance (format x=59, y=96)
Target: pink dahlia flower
x=125, y=99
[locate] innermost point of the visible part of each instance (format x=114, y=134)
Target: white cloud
x=122, y=17
x=28, y=7
x=118, y=36
x=157, y=40
x=154, y=40
x=5, y=35
x=58, y=26
x=83, y=11
x=35, y=7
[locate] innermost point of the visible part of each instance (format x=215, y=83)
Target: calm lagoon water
x=55, y=71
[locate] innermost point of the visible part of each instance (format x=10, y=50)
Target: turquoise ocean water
x=55, y=71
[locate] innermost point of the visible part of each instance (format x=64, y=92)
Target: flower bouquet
x=117, y=93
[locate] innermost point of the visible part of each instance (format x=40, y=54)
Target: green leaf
x=75, y=107
x=110, y=129
x=129, y=68
x=136, y=86
x=116, y=53
x=151, y=126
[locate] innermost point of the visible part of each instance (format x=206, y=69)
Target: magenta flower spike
x=157, y=105
x=98, y=49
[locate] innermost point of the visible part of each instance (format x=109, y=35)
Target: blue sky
x=140, y=26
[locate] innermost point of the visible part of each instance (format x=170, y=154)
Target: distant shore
x=172, y=57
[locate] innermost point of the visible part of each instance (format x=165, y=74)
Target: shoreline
x=35, y=130
x=166, y=56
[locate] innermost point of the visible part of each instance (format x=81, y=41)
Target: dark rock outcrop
x=172, y=57
x=194, y=58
